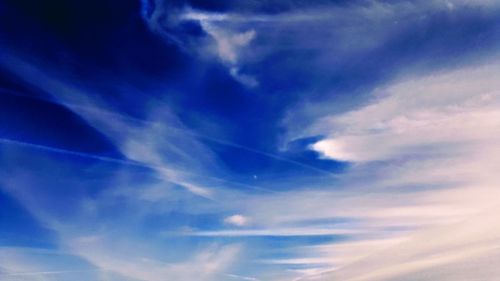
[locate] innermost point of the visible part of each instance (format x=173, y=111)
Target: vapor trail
x=123, y=162
x=274, y=156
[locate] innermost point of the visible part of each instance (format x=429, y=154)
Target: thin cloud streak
x=273, y=232
x=45, y=272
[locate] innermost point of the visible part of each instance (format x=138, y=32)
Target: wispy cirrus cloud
x=429, y=131
x=367, y=151
x=149, y=150
x=205, y=265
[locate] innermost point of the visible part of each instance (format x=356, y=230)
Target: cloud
x=244, y=79
x=239, y=277
x=388, y=193
x=330, y=36
x=418, y=197
x=159, y=142
x=228, y=49
x=422, y=150
x=19, y=263
x=227, y=43
x=441, y=252
x=208, y=264
x=417, y=133
x=448, y=111
x=283, y=232
x=87, y=226
x=237, y=220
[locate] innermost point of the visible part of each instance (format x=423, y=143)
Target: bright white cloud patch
x=237, y=220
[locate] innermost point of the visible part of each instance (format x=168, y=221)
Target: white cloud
x=239, y=277
x=174, y=154
x=424, y=172
x=305, y=231
x=39, y=264
x=229, y=45
x=443, y=249
x=237, y=220
x=325, y=12
x=437, y=130
x=449, y=111
x=109, y=255
x=244, y=79
x=441, y=130
x=159, y=142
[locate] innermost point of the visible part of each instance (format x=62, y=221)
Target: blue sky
x=275, y=140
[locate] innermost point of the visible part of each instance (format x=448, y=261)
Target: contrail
x=274, y=156
x=212, y=139
x=140, y=164
x=73, y=153
x=124, y=162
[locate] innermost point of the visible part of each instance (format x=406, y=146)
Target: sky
x=270, y=140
